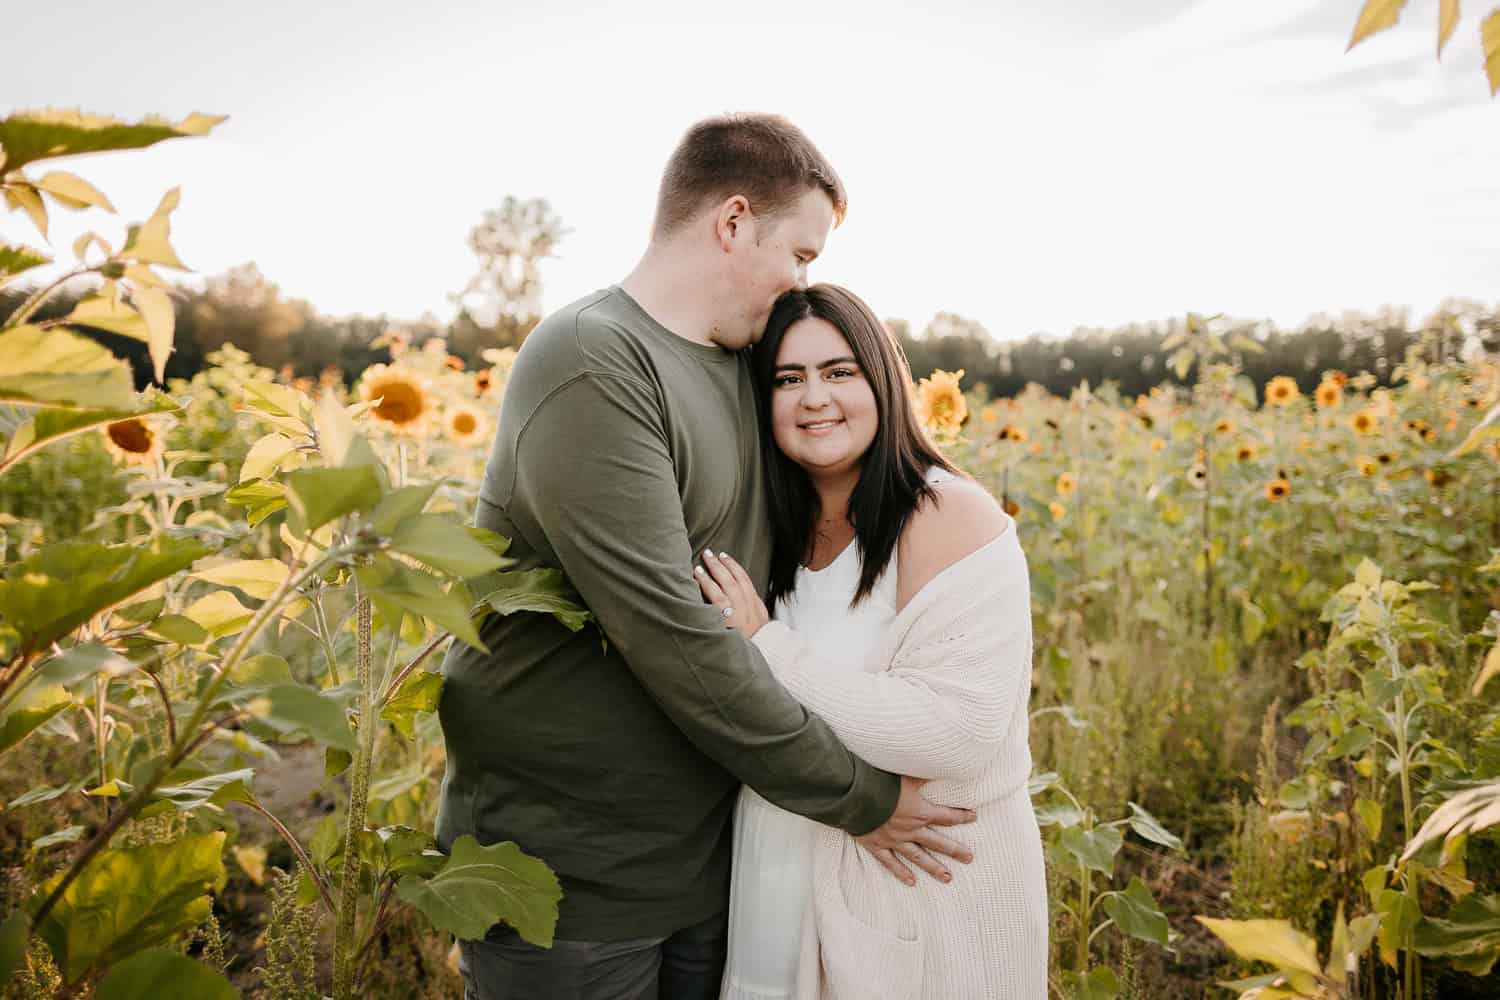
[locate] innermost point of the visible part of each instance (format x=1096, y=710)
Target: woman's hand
x=727, y=586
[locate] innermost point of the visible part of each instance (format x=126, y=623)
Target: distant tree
x=242, y=307
x=503, y=301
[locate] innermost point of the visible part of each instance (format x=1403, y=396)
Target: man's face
x=771, y=259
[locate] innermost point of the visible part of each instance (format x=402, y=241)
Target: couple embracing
x=799, y=767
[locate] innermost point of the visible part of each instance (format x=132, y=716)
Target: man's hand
x=909, y=835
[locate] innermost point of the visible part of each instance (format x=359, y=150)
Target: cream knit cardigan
x=945, y=698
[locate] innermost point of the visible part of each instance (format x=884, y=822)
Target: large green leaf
x=398, y=505
x=16, y=259
x=28, y=136
x=61, y=368
x=321, y=495
x=104, y=312
x=545, y=591
x=418, y=693
x=294, y=708
x=481, y=886
x=1094, y=848
x=158, y=972
x=260, y=578
x=59, y=587
x=1274, y=941
x=13, y=935
x=1099, y=983
x=396, y=588
x=130, y=899
x=1135, y=912
x=1147, y=825
x=80, y=663
x=20, y=723
x=27, y=428
x=1469, y=936
x=438, y=541
x=216, y=789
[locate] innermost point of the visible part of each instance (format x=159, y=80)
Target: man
x=627, y=443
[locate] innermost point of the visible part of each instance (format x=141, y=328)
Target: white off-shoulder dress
x=773, y=849
x=937, y=691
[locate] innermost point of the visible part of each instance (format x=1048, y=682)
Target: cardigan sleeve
x=944, y=704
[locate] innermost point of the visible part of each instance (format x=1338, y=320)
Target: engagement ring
x=727, y=612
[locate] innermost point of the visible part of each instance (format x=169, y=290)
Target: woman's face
x=823, y=413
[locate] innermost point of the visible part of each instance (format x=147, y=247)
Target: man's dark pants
x=685, y=965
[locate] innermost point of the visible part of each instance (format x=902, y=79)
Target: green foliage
x=132, y=899
x=158, y=972
x=481, y=886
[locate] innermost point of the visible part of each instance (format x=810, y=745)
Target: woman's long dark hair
x=893, y=473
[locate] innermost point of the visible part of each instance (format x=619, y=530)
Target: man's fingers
x=945, y=816
x=894, y=866
x=925, y=861
x=939, y=844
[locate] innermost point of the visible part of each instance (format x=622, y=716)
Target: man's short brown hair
x=763, y=157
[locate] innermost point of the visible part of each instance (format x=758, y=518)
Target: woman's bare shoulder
x=963, y=519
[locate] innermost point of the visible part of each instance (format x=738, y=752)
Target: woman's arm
x=947, y=699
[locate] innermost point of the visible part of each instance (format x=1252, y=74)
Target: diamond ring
x=727, y=613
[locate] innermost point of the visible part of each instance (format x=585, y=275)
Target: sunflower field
x=1264, y=715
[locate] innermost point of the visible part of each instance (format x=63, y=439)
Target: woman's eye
x=841, y=373
x=784, y=380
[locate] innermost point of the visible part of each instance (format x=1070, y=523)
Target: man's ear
x=732, y=218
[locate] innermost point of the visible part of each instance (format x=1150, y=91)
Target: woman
x=903, y=619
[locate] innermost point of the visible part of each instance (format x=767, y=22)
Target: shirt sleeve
x=595, y=473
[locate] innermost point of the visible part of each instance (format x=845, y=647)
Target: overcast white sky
x=1036, y=165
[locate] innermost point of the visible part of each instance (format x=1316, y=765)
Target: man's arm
x=595, y=474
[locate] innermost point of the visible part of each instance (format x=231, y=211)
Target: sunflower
x=1010, y=432
x=1224, y=426
x=1057, y=510
x=464, y=424
x=1428, y=434
x=1385, y=458
x=1157, y=444
x=1337, y=377
x=1364, y=422
x=1035, y=448
x=454, y=362
x=990, y=414
x=134, y=441
x=404, y=403
x=1010, y=507
x=1066, y=484
x=1277, y=489
x=483, y=379
x=940, y=402
x=1198, y=475
x=1245, y=452
x=1438, y=478
x=1329, y=395
x=1282, y=391
x=1367, y=465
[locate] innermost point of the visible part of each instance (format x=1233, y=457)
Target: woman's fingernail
x=723, y=555
x=708, y=553
x=697, y=570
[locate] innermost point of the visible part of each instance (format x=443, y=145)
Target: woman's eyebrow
x=841, y=360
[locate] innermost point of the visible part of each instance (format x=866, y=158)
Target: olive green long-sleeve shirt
x=622, y=451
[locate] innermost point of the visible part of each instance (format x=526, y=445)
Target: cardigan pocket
x=860, y=962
